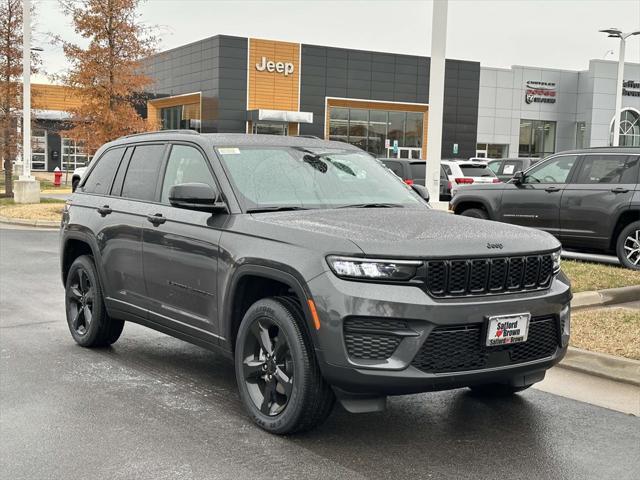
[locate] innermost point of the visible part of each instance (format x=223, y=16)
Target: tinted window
x=418, y=170
x=102, y=174
x=476, y=171
x=142, y=174
x=185, y=165
x=553, y=171
x=607, y=169
x=395, y=167
x=447, y=169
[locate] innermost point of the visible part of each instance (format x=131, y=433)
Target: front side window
x=608, y=169
x=141, y=178
x=186, y=165
x=101, y=176
x=312, y=178
x=553, y=171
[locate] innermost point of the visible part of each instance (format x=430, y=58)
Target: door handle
x=105, y=210
x=552, y=189
x=619, y=190
x=156, y=219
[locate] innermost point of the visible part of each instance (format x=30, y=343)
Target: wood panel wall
x=273, y=90
x=53, y=97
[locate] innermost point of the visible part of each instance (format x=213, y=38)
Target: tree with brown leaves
x=107, y=74
x=10, y=87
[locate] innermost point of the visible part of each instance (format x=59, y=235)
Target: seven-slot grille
x=456, y=278
x=462, y=348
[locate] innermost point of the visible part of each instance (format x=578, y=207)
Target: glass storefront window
x=629, y=129
x=369, y=129
x=537, y=138
x=413, y=130
x=38, y=149
x=171, y=117
x=73, y=155
x=358, y=127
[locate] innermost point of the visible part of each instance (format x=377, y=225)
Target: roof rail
x=190, y=132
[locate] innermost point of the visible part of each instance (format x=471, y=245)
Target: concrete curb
x=605, y=297
x=602, y=365
x=30, y=223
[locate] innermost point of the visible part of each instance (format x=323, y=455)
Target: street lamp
x=617, y=33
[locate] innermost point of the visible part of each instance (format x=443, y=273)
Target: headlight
x=373, y=269
x=555, y=256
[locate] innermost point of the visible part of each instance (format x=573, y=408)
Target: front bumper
x=339, y=301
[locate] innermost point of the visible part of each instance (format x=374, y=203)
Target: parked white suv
x=78, y=173
x=468, y=172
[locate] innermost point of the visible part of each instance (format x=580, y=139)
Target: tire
x=475, y=213
x=74, y=184
x=628, y=246
x=87, y=317
x=497, y=390
x=284, y=393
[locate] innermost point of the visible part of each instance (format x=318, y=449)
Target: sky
x=497, y=33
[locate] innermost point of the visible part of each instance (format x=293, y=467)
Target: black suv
x=589, y=199
x=313, y=266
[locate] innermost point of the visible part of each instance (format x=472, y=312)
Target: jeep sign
x=279, y=67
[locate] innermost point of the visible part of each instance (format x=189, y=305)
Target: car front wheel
x=628, y=246
x=279, y=380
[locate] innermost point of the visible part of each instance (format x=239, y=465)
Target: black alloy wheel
x=268, y=368
x=279, y=380
x=89, y=323
x=81, y=297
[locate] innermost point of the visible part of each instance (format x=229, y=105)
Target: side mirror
x=518, y=178
x=422, y=191
x=196, y=196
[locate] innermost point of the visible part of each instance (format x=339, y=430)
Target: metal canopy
x=279, y=116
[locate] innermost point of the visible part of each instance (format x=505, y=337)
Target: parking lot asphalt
x=154, y=407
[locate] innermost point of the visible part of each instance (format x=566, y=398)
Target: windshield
x=266, y=177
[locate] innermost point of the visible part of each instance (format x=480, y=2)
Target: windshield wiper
x=372, y=205
x=282, y=208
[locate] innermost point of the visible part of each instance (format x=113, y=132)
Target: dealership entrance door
x=405, y=152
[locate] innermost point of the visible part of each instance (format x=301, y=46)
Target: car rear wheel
x=279, y=380
x=497, y=389
x=475, y=213
x=87, y=317
x=628, y=246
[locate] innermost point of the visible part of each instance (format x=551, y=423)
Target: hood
x=410, y=232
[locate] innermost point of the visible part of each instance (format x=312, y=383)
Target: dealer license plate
x=508, y=329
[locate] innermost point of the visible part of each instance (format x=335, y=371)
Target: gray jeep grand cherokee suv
x=314, y=267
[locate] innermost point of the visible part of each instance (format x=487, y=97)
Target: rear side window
x=447, y=169
x=476, y=171
x=418, y=170
x=141, y=179
x=608, y=169
x=101, y=176
x=495, y=166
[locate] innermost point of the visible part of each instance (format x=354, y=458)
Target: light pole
x=617, y=33
x=436, y=99
x=27, y=189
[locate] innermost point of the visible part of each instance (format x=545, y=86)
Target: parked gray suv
x=311, y=265
x=589, y=199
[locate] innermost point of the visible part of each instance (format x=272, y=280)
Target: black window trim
x=165, y=162
x=550, y=158
x=92, y=167
x=582, y=156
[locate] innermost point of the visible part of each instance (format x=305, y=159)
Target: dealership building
x=376, y=101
